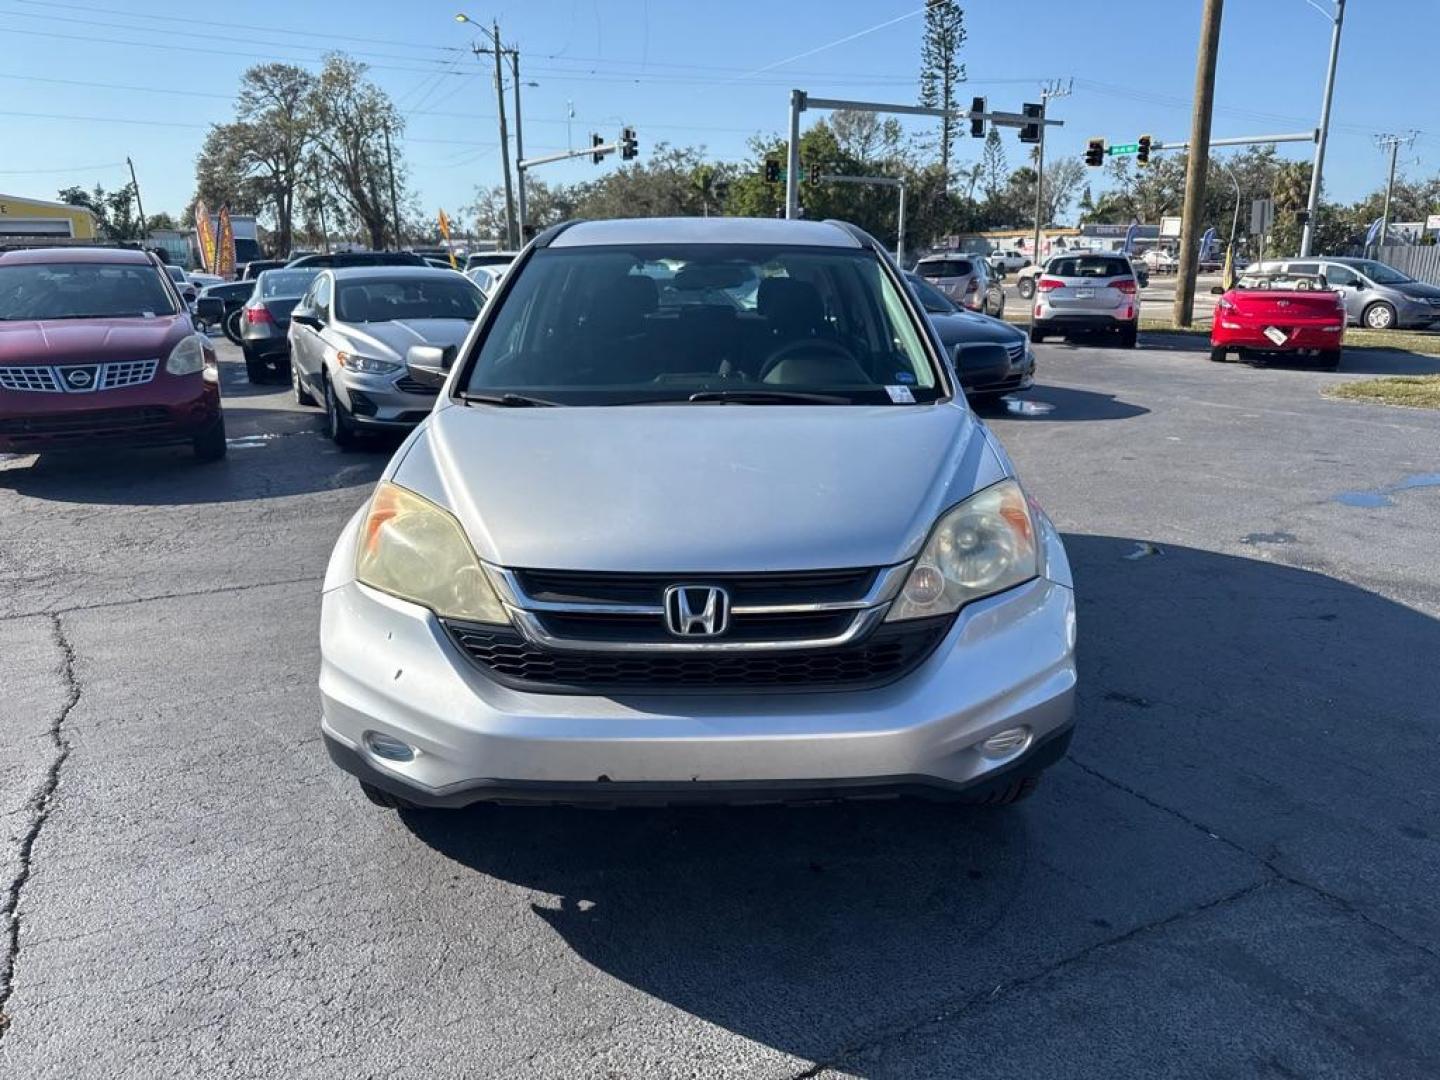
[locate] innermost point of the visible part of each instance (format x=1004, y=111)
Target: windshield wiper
x=509, y=401
x=768, y=397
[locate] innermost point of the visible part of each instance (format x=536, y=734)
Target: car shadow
x=1259, y=700
x=171, y=476
x=1057, y=404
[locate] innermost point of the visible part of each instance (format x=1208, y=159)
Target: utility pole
x=1313, y=205
x=1199, y=162
x=138, y=204
x=394, y=199
x=1394, y=142
x=1052, y=90
x=504, y=139
x=519, y=152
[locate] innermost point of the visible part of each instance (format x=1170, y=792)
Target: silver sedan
x=351, y=334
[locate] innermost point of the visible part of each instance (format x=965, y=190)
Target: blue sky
x=686, y=73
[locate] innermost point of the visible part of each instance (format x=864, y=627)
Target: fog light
x=383, y=746
x=1005, y=743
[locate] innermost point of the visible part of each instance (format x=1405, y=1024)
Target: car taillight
x=258, y=313
x=1224, y=305
x=1127, y=285
x=1045, y=284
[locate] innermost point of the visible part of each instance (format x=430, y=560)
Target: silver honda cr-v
x=700, y=514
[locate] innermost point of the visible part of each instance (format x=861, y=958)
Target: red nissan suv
x=97, y=349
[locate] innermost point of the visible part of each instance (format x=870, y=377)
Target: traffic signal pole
x=1318, y=169
x=880, y=181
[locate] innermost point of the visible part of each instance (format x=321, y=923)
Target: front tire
x=302, y=395
x=210, y=444
x=1379, y=316
x=339, y=427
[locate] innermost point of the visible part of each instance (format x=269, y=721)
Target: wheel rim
x=1380, y=317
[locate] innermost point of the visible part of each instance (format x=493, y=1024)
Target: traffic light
x=772, y=170
x=814, y=175
x=977, y=123
x=596, y=156
x=1034, y=113
x=1142, y=150
x=1095, y=152
x=1302, y=218
x=629, y=147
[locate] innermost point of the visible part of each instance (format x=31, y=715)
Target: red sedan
x=1288, y=314
x=97, y=349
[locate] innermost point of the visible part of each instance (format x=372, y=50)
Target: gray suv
x=699, y=515
x=1376, y=296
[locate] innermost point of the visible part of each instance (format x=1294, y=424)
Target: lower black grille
x=887, y=654
x=93, y=424
x=770, y=587
x=415, y=386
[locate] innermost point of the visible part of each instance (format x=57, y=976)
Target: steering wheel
x=799, y=348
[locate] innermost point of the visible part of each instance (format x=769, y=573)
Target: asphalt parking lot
x=1235, y=873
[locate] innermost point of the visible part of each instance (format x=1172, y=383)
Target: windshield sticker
x=147, y=314
x=900, y=395
x=907, y=377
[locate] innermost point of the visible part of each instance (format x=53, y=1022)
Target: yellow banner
x=206, y=235
x=225, y=245
x=444, y=221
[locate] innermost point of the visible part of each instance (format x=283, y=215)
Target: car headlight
x=412, y=549
x=364, y=365
x=188, y=356
x=985, y=545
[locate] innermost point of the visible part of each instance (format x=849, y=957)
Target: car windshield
x=1089, y=266
x=1280, y=283
x=1381, y=274
x=943, y=268
x=931, y=299
x=761, y=324
x=285, y=284
x=82, y=291
x=387, y=299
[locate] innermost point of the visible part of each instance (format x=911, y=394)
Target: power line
x=832, y=44
x=63, y=169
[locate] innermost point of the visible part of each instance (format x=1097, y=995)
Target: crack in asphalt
x=39, y=806
x=1347, y=905
x=936, y=1015
x=181, y=595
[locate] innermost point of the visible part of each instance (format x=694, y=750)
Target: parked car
x=1160, y=261
x=1087, y=292
x=1009, y=260
x=958, y=329
x=264, y=322
x=1376, y=296
x=187, y=289
x=486, y=278
x=490, y=258
x=1279, y=314
x=97, y=350
x=202, y=280
x=217, y=302
x=351, y=334
x=965, y=279
x=648, y=549
x=253, y=269
x=358, y=258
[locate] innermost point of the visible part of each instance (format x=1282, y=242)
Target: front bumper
x=389, y=667
x=376, y=401
x=170, y=409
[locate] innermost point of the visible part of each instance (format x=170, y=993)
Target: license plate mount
x=1275, y=334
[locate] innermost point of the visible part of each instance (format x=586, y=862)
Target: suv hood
x=61, y=341
x=390, y=340
x=698, y=488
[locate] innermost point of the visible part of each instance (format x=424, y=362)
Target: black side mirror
x=306, y=317
x=430, y=365
x=981, y=363
x=211, y=309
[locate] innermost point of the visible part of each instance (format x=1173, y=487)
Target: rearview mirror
x=981, y=363
x=429, y=365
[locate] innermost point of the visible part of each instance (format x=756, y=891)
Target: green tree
x=116, y=212
x=941, y=71
x=995, y=171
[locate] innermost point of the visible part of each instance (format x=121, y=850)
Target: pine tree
x=941, y=72
x=995, y=170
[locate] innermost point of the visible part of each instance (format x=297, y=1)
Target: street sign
x=1123, y=148
x=1170, y=227
x=1432, y=223
x=1262, y=216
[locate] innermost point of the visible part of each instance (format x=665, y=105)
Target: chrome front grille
x=1016, y=352
x=57, y=379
